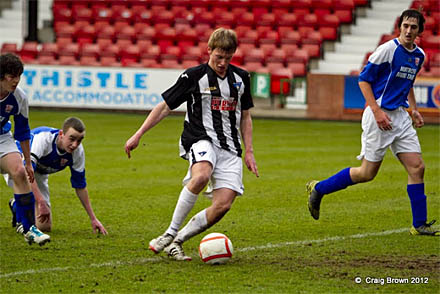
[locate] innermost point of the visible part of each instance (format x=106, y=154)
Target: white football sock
x=186, y=202
x=196, y=225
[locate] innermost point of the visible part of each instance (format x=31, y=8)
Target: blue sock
x=416, y=193
x=25, y=210
x=337, y=182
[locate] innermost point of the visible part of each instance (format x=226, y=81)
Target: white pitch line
x=156, y=259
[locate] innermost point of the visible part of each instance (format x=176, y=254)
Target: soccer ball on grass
x=215, y=248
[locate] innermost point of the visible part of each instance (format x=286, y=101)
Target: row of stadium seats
x=191, y=4
x=146, y=54
x=216, y=16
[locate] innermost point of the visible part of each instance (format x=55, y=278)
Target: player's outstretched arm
x=246, y=134
x=43, y=209
x=83, y=196
x=25, y=147
x=156, y=115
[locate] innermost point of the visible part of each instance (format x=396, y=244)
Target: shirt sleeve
x=22, y=132
x=378, y=62
x=179, y=92
x=77, y=170
x=246, y=98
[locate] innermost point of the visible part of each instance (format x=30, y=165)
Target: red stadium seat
x=299, y=55
x=328, y=33
x=282, y=4
x=152, y=52
x=167, y=63
x=344, y=15
x=246, y=19
x=276, y=56
x=82, y=13
x=313, y=50
x=85, y=34
x=49, y=49
x=305, y=4
x=189, y=63
x=298, y=69
x=47, y=59
x=62, y=14
x=9, y=48
x=289, y=49
x=67, y=60
x=143, y=16
x=89, y=61
x=250, y=37
x=102, y=14
x=90, y=50
x=123, y=15
x=290, y=37
x=29, y=50
x=65, y=31
x=109, y=61
x=288, y=20
x=71, y=49
x=254, y=55
x=111, y=50
x=150, y=63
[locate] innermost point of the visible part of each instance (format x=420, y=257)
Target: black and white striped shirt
x=214, y=106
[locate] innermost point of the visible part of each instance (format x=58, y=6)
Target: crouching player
x=53, y=150
x=13, y=102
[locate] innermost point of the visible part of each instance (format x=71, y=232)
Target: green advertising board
x=260, y=85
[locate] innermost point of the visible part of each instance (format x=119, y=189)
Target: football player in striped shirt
x=387, y=85
x=218, y=99
x=14, y=103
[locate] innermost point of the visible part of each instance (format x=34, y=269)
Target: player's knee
x=18, y=174
x=200, y=181
x=417, y=170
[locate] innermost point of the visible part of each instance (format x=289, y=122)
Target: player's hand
x=43, y=212
x=30, y=172
x=98, y=227
x=417, y=119
x=131, y=144
x=249, y=159
x=383, y=120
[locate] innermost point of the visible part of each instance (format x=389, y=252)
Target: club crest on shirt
x=8, y=108
x=220, y=103
x=417, y=61
x=237, y=85
x=63, y=161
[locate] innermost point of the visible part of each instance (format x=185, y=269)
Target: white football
x=215, y=248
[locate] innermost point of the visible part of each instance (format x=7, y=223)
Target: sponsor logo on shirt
x=220, y=103
x=9, y=108
x=211, y=88
x=202, y=153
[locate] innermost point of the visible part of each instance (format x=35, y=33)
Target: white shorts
x=227, y=167
x=7, y=145
x=42, y=182
x=401, y=139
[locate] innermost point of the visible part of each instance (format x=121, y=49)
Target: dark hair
x=75, y=123
x=412, y=13
x=10, y=64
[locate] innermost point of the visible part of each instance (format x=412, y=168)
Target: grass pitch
x=363, y=230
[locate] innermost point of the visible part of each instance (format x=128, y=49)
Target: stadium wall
x=338, y=97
